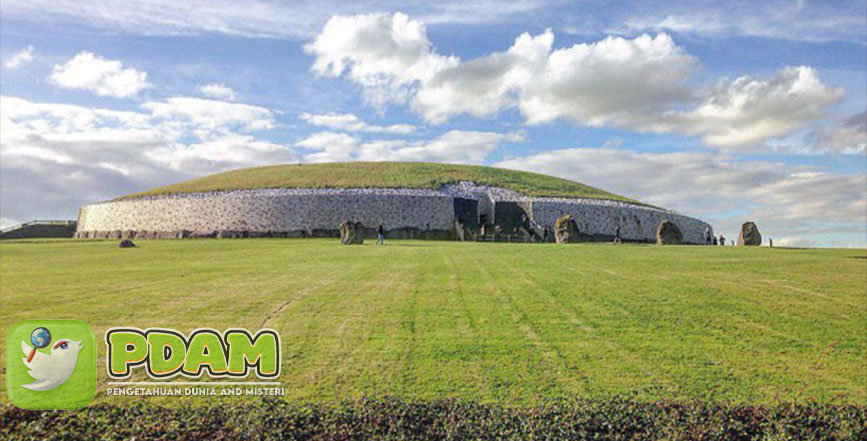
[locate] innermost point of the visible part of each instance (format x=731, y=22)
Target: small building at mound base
x=451, y=212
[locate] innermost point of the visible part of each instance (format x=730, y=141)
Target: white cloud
x=795, y=242
x=616, y=81
x=784, y=200
x=330, y=147
x=749, y=111
x=846, y=137
x=486, y=85
x=386, y=54
x=19, y=58
x=253, y=18
x=351, y=123
x=457, y=146
x=56, y=157
x=217, y=90
x=641, y=84
x=774, y=19
x=88, y=71
x=212, y=114
x=232, y=151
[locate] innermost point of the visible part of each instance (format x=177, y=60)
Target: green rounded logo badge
x=51, y=364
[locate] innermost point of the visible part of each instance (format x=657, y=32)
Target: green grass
x=383, y=175
x=498, y=323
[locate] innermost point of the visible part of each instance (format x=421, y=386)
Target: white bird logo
x=51, y=370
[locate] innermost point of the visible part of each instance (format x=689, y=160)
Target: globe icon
x=40, y=337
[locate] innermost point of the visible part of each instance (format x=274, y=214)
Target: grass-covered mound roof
x=383, y=175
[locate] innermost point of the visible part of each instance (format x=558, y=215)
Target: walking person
x=617, y=238
x=722, y=240
x=380, y=234
x=707, y=236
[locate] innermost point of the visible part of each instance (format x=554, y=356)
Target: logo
x=165, y=353
x=51, y=364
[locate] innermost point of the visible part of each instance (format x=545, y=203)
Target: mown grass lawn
x=499, y=323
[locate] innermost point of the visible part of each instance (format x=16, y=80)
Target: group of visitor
x=710, y=239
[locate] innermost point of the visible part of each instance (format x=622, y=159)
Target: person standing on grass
x=722, y=240
x=380, y=234
x=707, y=239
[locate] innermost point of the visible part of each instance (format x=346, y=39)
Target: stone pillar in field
x=667, y=233
x=750, y=235
x=566, y=229
x=351, y=233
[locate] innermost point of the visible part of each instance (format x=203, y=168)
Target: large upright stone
x=566, y=229
x=667, y=233
x=351, y=233
x=750, y=235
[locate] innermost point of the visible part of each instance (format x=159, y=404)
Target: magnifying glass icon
x=39, y=338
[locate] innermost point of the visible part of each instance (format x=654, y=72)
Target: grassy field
x=383, y=175
x=499, y=323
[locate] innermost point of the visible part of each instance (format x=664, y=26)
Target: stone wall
x=601, y=218
x=318, y=213
x=268, y=210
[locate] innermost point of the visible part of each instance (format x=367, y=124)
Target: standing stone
x=667, y=233
x=566, y=229
x=351, y=233
x=750, y=235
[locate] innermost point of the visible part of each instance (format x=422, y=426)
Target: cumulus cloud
x=459, y=146
x=19, y=58
x=212, y=114
x=227, y=152
x=386, y=54
x=88, y=71
x=217, y=90
x=641, y=84
x=56, y=157
x=748, y=111
x=484, y=86
x=785, y=200
x=351, y=123
x=330, y=147
x=614, y=81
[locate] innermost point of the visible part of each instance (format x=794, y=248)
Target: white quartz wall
x=636, y=222
x=257, y=212
x=292, y=210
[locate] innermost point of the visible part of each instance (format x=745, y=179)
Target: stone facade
x=600, y=219
x=319, y=212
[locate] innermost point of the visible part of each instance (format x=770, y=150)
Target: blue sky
x=726, y=111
